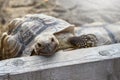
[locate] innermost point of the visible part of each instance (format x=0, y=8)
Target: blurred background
x=77, y=12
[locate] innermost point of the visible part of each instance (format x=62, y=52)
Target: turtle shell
x=42, y=23
x=26, y=29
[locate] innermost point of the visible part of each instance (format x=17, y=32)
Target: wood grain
x=60, y=59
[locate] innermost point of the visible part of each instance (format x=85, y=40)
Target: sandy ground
x=74, y=11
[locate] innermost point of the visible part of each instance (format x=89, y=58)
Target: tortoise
x=32, y=35
x=56, y=34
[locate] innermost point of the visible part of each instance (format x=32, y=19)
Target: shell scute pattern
x=25, y=34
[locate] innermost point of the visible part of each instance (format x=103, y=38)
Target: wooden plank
x=60, y=59
x=101, y=70
x=116, y=68
x=91, y=71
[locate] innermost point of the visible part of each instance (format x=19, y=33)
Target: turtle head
x=48, y=43
x=45, y=44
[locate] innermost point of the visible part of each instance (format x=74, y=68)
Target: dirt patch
x=10, y=9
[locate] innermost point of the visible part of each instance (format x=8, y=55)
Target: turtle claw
x=83, y=41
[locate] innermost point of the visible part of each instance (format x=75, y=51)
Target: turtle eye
x=39, y=45
x=52, y=39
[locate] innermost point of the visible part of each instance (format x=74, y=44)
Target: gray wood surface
x=99, y=63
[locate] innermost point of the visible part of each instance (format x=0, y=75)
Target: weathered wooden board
x=98, y=63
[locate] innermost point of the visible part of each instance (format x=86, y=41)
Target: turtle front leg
x=83, y=41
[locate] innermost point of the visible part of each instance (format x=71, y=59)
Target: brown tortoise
x=32, y=35
x=55, y=34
